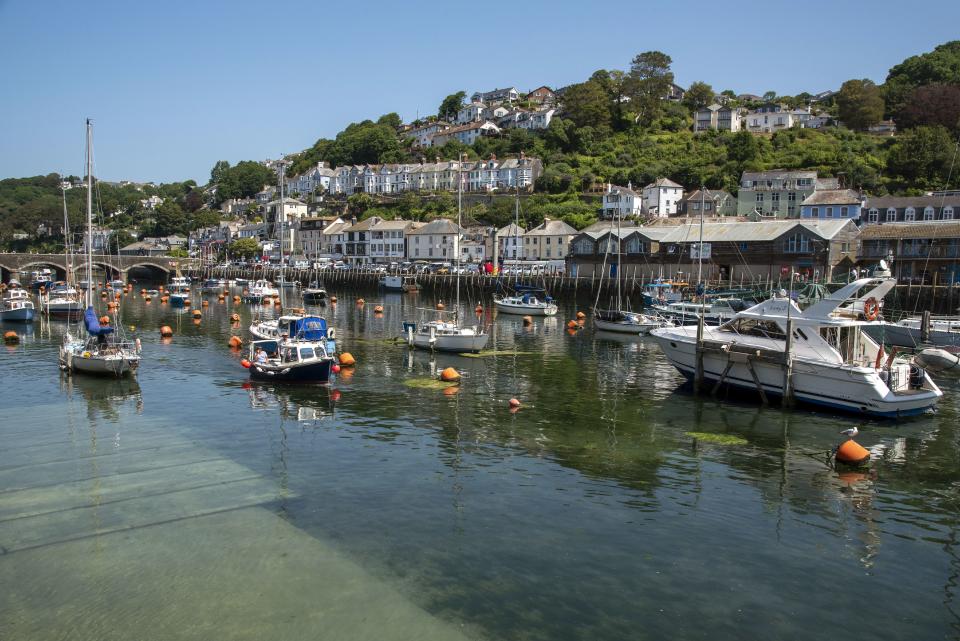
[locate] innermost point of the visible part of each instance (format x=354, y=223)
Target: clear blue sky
x=174, y=86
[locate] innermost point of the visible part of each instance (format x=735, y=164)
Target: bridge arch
x=58, y=267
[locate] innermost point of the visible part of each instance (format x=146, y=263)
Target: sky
x=173, y=87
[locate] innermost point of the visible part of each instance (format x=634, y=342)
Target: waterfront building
x=388, y=241
x=310, y=235
x=910, y=209
x=832, y=203
x=778, y=193
x=438, y=240
x=548, y=241
x=924, y=252
x=509, y=242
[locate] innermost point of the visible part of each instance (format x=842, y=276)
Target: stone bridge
x=115, y=266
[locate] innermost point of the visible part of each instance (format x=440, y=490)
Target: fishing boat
x=827, y=359
x=444, y=332
x=304, y=356
x=285, y=326
x=179, y=290
x=17, y=306
x=40, y=278
x=399, y=283
x=259, y=290
x=526, y=301
x=101, y=351
x=314, y=294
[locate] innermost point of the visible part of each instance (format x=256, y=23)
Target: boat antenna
x=87, y=295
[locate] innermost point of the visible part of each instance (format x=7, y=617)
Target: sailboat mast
x=88, y=295
x=66, y=237
x=282, y=217
x=456, y=309
x=700, y=245
x=516, y=221
x=619, y=241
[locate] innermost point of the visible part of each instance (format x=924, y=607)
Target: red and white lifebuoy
x=871, y=309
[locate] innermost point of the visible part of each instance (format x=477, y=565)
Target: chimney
x=493, y=156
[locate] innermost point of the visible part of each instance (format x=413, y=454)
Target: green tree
x=587, y=103
x=205, y=218
x=451, y=105
x=365, y=142
x=391, y=119
x=859, y=104
x=769, y=96
x=651, y=79
x=245, y=248
x=942, y=65
x=219, y=169
x=743, y=147
x=244, y=180
x=698, y=95
x=921, y=159
x=169, y=219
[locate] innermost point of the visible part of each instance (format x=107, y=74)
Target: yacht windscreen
x=755, y=327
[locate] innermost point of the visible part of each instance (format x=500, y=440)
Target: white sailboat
x=61, y=300
x=444, y=333
x=100, y=352
x=619, y=319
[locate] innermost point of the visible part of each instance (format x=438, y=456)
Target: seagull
x=853, y=431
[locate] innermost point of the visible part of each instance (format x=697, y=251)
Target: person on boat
x=261, y=356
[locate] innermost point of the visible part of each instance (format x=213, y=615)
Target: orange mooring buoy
x=478, y=309
x=347, y=359
x=581, y=315
x=235, y=342
x=234, y=318
x=441, y=306
x=166, y=331
x=528, y=320
x=11, y=337
x=236, y=299
x=378, y=309
x=104, y=320
x=450, y=375
x=852, y=452
x=572, y=325
x=360, y=301
x=333, y=299
x=513, y=402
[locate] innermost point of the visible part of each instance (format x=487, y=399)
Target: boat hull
x=22, y=315
x=625, y=327
x=113, y=365
x=309, y=372
x=314, y=298
x=548, y=309
x=900, y=336
x=837, y=387
x=450, y=342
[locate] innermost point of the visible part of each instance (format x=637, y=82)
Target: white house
x=661, y=198
x=152, y=202
x=496, y=96
x=99, y=237
x=621, y=202
x=318, y=177
x=471, y=113
x=388, y=240
x=438, y=240
x=548, y=241
x=510, y=242
x=535, y=119
x=467, y=134
x=423, y=135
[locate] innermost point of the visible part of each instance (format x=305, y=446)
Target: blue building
x=832, y=204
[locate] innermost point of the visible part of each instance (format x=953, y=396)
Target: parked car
x=301, y=264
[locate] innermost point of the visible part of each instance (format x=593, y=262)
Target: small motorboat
x=399, y=284
x=259, y=290
x=305, y=356
x=213, y=286
x=314, y=294
x=17, y=306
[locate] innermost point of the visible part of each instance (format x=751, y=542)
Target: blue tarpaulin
x=93, y=324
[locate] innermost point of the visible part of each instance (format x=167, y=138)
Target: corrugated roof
x=752, y=231
x=923, y=229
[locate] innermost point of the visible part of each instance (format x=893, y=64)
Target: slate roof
x=552, y=228
x=919, y=202
x=922, y=229
x=833, y=197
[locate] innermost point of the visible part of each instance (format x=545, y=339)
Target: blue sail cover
x=93, y=324
x=311, y=328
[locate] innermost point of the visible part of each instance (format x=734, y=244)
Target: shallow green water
x=193, y=505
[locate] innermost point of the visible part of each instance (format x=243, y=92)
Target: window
x=707, y=206
x=873, y=216
x=928, y=213
x=909, y=214
x=829, y=212
x=775, y=198
x=844, y=211
x=759, y=198
x=948, y=213
x=797, y=244
x=583, y=246
x=891, y=214
x=815, y=212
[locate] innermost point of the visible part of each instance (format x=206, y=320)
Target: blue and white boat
x=303, y=356
x=17, y=306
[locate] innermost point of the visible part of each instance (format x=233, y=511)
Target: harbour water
x=190, y=504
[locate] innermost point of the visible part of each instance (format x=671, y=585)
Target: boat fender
x=285, y=370
x=86, y=354
x=871, y=309
x=331, y=333
x=136, y=342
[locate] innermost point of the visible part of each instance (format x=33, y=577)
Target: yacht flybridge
x=830, y=360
